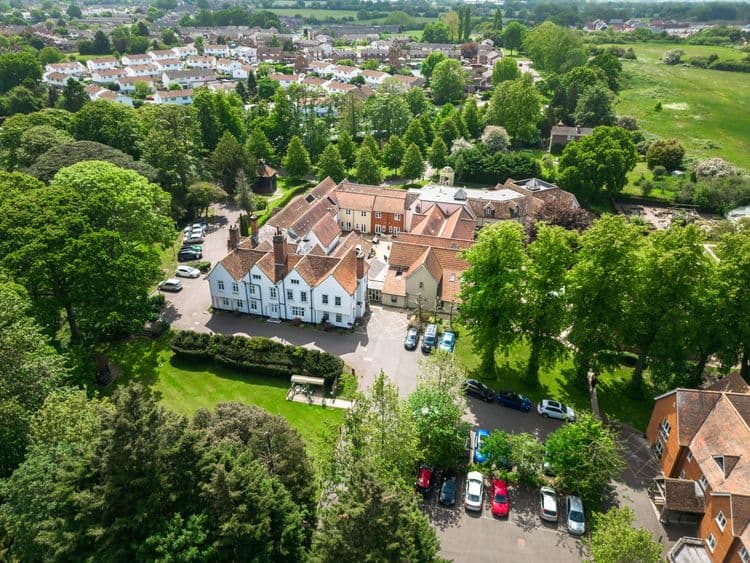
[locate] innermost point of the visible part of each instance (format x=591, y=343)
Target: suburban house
x=285, y=80
x=370, y=209
x=128, y=60
x=58, y=78
x=276, y=281
x=701, y=438
x=198, y=61
x=192, y=78
x=149, y=69
x=562, y=135
x=216, y=50
x=424, y=272
x=102, y=63
x=170, y=64
x=162, y=54
x=69, y=68
x=374, y=78
x=227, y=66
x=178, y=97
x=106, y=76
x=128, y=83
x=321, y=67
x=344, y=73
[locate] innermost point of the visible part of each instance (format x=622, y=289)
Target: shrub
x=714, y=167
x=672, y=57
x=203, y=266
x=627, y=122
x=258, y=355
x=665, y=152
x=477, y=164
x=659, y=171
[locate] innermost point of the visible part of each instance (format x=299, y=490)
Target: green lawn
x=186, y=386
x=707, y=110
x=558, y=383
x=319, y=13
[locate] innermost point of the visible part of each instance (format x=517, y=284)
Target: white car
x=576, y=519
x=187, y=272
x=552, y=409
x=193, y=238
x=172, y=284
x=548, y=504
x=474, y=490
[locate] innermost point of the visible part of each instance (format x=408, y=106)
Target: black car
x=448, y=490
x=412, y=337
x=478, y=389
x=188, y=255
x=514, y=400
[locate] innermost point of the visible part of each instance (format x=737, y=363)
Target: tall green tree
x=470, y=117
x=597, y=163
x=29, y=371
x=388, y=114
x=393, y=152
x=18, y=68
x=412, y=165
x=429, y=64
x=372, y=145
x=615, y=540
x=516, y=105
x=283, y=122
x=297, y=160
x=73, y=96
x=227, y=159
x=330, y=164
x=550, y=256
x=505, y=69
x=367, y=167
x=594, y=107
x=438, y=155
x=260, y=147
x=513, y=35
x=448, y=81
x=37, y=140
x=108, y=123
x=491, y=293
x=599, y=287
x=415, y=134
x=347, y=148
x=554, y=48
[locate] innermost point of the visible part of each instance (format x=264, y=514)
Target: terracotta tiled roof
x=435, y=242
x=741, y=518
x=239, y=261
x=732, y=382
x=267, y=265
x=167, y=94
x=314, y=268
x=349, y=241
x=395, y=283
x=430, y=223
x=305, y=210
x=352, y=200
x=692, y=408
x=450, y=284
x=684, y=496
x=390, y=203
x=326, y=229
x=346, y=272
x=430, y=262
x=265, y=171
x=324, y=188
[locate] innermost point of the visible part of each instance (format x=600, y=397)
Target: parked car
x=576, y=521
x=474, y=491
x=553, y=409
x=480, y=435
x=188, y=255
x=187, y=272
x=424, y=478
x=447, y=341
x=548, y=504
x=478, y=389
x=429, y=339
x=201, y=226
x=193, y=247
x=172, y=284
x=412, y=337
x=448, y=490
x=514, y=400
x=500, y=504
x=193, y=238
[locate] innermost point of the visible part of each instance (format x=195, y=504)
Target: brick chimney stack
x=279, y=249
x=234, y=237
x=360, y=266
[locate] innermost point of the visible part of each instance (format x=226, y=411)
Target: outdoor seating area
x=311, y=390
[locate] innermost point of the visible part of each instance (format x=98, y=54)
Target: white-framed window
x=711, y=542
x=325, y=299
x=378, y=215
x=289, y=295
x=235, y=287
x=703, y=482
x=256, y=276
x=303, y=296
x=220, y=285
x=396, y=230
x=348, y=225
x=337, y=301
x=225, y=301
x=421, y=285
x=390, y=229
x=744, y=555
x=721, y=520
x=690, y=456
x=394, y=299
x=252, y=290
x=274, y=308
x=658, y=448
x=240, y=303
x=295, y=282
x=338, y=317
x=378, y=229
x=664, y=429
x=272, y=292
x=347, y=211
x=719, y=459
x=298, y=312
x=363, y=213
x=253, y=305
x=397, y=216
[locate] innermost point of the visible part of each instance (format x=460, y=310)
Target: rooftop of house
x=451, y=194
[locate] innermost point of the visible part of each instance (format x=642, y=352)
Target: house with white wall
x=216, y=50
x=108, y=75
x=128, y=60
x=345, y=73
x=226, y=66
x=200, y=61
x=73, y=68
x=176, y=97
x=148, y=69
x=374, y=78
x=170, y=64
x=102, y=63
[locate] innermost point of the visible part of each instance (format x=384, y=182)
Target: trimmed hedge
x=257, y=355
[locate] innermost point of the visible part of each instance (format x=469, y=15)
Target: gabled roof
x=314, y=268
x=326, y=229
x=268, y=266
x=239, y=262
x=345, y=272
x=305, y=210
x=732, y=382
x=684, y=495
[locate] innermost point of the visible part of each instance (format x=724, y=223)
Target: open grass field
x=557, y=383
x=185, y=387
x=707, y=110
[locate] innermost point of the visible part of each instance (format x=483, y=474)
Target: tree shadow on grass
x=139, y=359
x=223, y=372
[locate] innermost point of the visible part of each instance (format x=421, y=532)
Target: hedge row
x=257, y=355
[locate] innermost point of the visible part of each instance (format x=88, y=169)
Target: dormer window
x=719, y=459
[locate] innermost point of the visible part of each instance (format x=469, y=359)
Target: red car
x=500, y=502
x=424, y=479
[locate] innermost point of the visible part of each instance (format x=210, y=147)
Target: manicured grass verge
x=185, y=387
x=558, y=383
x=292, y=188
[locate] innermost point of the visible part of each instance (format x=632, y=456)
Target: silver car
x=548, y=504
x=554, y=409
x=576, y=520
x=187, y=272
x=172, y=284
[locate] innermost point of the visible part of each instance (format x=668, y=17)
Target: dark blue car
x=514, y=400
